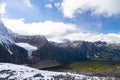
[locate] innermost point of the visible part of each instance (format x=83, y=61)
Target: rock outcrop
x=78, y=51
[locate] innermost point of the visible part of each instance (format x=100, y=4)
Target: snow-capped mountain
x=5, y=38
x=13, y=44
x=19, y=72
x=4, y=31
x=28, y=42
x=41, y=49
x=15, y=48
x=5, y=35
x=9, y=52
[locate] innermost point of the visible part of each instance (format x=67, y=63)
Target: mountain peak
x=3, y=30
x=5, y=34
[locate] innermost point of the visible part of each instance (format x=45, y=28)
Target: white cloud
x=28, y=4
x=58, y=31
x=97, y=7
x=48, y=6
x=110, y=37
x=48, y=28
x=2, y=7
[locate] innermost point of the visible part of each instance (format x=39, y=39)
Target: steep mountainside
x=16, y=48
x=9, y=52
x=13, y=54
x=4, y=31
x=40, y=49
x=35, y=40
x=77, y=51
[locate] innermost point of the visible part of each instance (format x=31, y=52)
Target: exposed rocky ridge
x=14, y=54
x=4, y=31
x=78, y=51
x=35, y=40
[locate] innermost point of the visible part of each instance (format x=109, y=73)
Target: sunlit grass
x=94, y=66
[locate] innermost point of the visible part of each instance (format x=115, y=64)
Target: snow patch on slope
x=5, y=37
x=6, y=42
x=28, y=47
x=20, y=72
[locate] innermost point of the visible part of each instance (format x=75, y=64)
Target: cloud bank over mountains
x=59, y=30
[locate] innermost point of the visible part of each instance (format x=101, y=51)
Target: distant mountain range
x=69, y=52
x=59, y=53
x=36, y=51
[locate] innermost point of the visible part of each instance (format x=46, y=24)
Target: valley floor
x=91, y=68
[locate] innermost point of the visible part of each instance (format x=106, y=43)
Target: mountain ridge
x=65, y=52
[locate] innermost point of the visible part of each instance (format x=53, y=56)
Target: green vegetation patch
x=94, y=66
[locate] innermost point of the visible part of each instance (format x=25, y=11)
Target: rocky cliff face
x=78, y=51
x=9, y=52
x=14, y=54
x=35, y=40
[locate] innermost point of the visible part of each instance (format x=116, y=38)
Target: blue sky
x=86, y=16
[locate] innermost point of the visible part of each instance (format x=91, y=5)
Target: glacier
x=28, y=47
x=21, y=72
